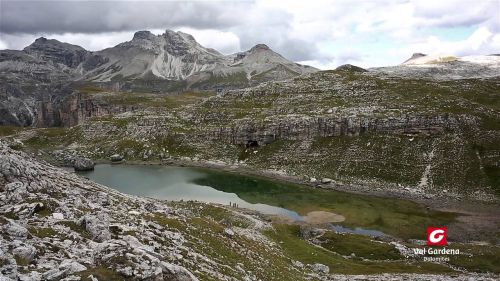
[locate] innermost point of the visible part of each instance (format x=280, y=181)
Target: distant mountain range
x=41, y=84
x=444, y=67
x=169, y=56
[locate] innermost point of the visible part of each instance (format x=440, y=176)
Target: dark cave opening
x=252, y=143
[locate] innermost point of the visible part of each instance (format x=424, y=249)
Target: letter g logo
x=436, y=236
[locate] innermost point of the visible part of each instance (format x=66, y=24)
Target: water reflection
x=172, y=183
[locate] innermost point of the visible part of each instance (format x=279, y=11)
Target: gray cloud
x=107, y=16
x=268, y=26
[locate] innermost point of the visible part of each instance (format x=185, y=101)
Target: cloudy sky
x=324, y=34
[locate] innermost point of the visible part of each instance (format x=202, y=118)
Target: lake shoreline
x=466, y=206
x=474, y=221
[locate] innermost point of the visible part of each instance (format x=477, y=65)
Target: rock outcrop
x=85, y=237
x=83, y=164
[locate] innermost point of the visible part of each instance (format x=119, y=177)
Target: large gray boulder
x=67, y=267
x=97, y=226
x=83, y=164
x=15, y=191
x=26, y=253
x=116, y=158
x=320, y=268
x=15, y=230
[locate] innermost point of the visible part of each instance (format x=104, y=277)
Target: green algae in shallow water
x=400, y=218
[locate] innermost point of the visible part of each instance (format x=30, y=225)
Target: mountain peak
x=57, y=51
x=43, y=43
x=415, y=56
x=187, y=36
x=437, y=58
x=143, y=34
x=260, y=47
x=41, y=39
x=350, y=68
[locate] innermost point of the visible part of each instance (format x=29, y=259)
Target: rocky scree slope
x=55, y=225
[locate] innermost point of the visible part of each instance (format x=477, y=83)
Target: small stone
x=298, y=264
x=229, y=232
x=326, y=180
x=58, y=216
x=320, y=268
x=116, y=158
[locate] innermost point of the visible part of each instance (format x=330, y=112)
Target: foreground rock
x=84, y=164
x=76, y=240
x=116, y=158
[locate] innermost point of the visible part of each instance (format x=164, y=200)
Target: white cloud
x=223, y=41
x=3, y=45
x=481, y=41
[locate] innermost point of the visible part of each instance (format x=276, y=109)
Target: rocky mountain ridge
x=31, y=80
x=172, y=56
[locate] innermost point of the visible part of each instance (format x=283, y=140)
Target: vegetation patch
x=101, y=273
x=42, y=232
x=359, y=245
x=288, y=237
x=477, y=258
x=9, y=130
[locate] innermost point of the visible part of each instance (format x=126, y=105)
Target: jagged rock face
x=33, y=105
x=177, y=55
x=23, y=68
x=301, y=128
x=172, y=55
